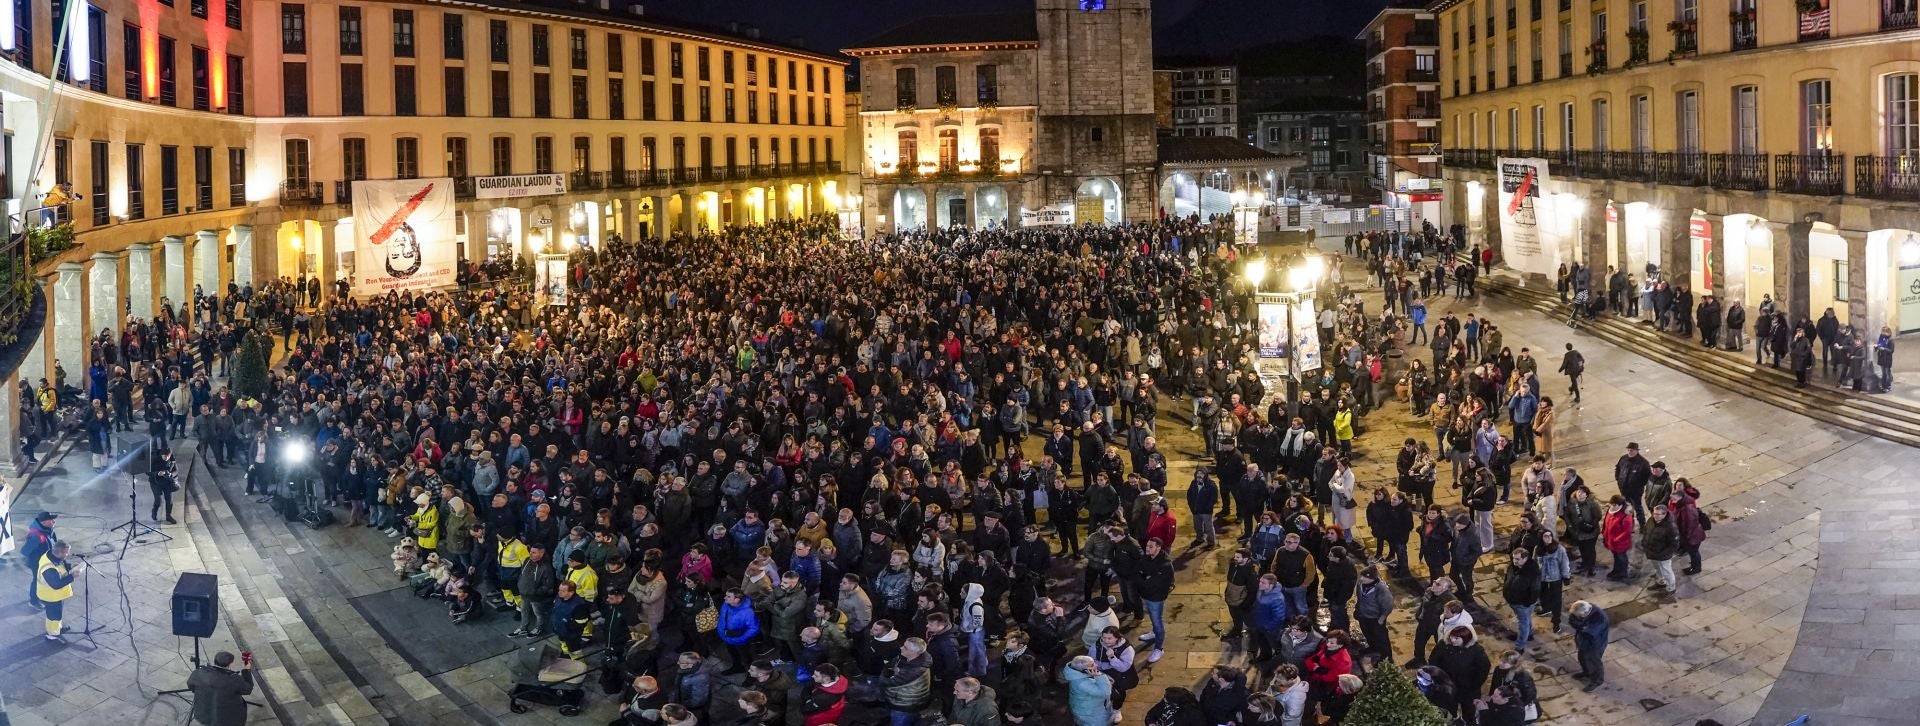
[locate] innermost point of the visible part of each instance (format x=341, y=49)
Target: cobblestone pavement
x=1716, y=650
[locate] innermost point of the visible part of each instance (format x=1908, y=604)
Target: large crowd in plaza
x=772, y=476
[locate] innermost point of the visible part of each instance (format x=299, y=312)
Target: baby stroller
x=544, y=676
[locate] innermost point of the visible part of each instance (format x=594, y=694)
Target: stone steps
x=1880, y=416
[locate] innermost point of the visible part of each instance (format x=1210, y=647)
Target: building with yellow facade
x=214, y=141
x=1742, y=147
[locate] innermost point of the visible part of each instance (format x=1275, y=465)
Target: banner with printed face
x=403, y=235
x=1306, y=339
x=1522, y=185
x=1273, y=330
x=1049, y=216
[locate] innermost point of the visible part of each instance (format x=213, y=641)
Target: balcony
x=1686, y=37
x=463, y=187
x=1680, y=168
x=1423, y=39
x=1632, y=166
x=1742, y=172
x=343, y=192
x=1822, y=175
x=1470, y=158
x=585, y=181
x=1417, y=148
x=1892, y=178
x=1746, y=33
x=301, y=193
x=1376, y=80
x=1421, y=113
x=1899, y=14
x=1566, y=64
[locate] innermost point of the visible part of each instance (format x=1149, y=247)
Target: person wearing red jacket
x=1161, y=525
x=1683, y=503
x=1616, y=531
x=826, y=696
x=1325, y=667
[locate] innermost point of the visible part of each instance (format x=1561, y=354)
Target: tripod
x=133, y=526
x=186, y=693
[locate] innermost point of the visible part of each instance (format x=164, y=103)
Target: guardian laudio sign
x=1522, y=183
x=403, y=235
x=523, y=185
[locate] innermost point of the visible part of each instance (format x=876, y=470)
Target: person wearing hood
x=458, y=545
x=1178, y=707
x=881, y=647
x=1465, y=661
x=826, y=697
x=974, y=704
x=973, y=624
x=943, y=655
x=1089, y=692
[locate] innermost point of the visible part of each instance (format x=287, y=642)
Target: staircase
x=1885, y=417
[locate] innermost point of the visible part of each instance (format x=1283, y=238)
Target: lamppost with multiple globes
x=1274, y=315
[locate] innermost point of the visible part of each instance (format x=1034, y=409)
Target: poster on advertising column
x=403, y=235
x=1306, y=339
x=1273, y=330
x=1521, y=187
x=1700, y=231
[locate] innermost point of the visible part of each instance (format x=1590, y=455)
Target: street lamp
x=1276, y=315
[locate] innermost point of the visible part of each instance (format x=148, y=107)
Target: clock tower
x=1097, y=139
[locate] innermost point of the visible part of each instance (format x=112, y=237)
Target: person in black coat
x=1466, y=663
x=220, y=694
x=1225, y=694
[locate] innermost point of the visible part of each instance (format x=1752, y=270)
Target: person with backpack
x=38, y=542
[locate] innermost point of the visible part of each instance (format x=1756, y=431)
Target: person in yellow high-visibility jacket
x=584, y=579
x=426, y=524
x=512, y=556
x=54, y=585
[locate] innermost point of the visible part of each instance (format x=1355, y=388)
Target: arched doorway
x=950, y=208
x=909, y=210
x=1097, y=201
x=1827, y=276
x=989, y=206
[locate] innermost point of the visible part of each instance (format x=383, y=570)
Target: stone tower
x=1096, y=123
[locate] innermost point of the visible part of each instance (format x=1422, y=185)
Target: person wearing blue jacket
x=571, y=618
x=738, y=626
x=1522, y=408
x=1418, y=314
x=1590, y=629
x=1269, y=617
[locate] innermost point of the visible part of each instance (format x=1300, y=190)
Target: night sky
x=1183, y=27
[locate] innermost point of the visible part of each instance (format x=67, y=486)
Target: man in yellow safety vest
x=54, y=585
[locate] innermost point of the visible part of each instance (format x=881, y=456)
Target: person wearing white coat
x=1346, y=497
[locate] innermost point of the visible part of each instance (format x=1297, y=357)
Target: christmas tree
x=1389, y=699
x=250, y=368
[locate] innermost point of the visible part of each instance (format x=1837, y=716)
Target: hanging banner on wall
x=1306, y=339
x=1048, y=216
x=1273, y=330
x=1522, y=184
x=403, y=235
x=524, y=185
x=1700, y=230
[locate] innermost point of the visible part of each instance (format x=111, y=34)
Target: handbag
x=708, y=620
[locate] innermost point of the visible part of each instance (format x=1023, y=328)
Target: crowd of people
x=1846, y=357
x=775, y=476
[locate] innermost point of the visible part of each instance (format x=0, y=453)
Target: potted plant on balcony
x=990, y=167
x=1684, y=37
x=1637, y=42
x=988, y=106
x=1809, y=7
x=1597, y=57
x=906, y=108
x=1741, y=16
x=50, y=240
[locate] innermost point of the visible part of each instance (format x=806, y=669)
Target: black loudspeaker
x=196, y=605
x=139, y=463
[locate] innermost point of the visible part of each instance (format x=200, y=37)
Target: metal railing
x=1745, y=172
x=1422, y=75
x=1818, y=174
x=463, y=187
x=1746, y=34
x=301, y=193
x=1898, y=15
x=1893, y=178
x=1422, y=39
x=1634, y=166
x=1680, y=168
x=1422, y=112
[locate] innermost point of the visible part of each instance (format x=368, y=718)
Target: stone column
x=10, y=423
x=329, y=261
x=70, y=317
x=930, y=195
x=177, y=284
x=104, y=299
x=242, y=255
x=39, y=361
x=140, y=280
x=206, y=262
x=1790, y=275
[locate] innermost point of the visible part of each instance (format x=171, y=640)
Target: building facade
x=1330, y=137
x=1743, y=148
x=1206, y=101
x=968, y=120
x=244, y=175
x=1403, y=109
